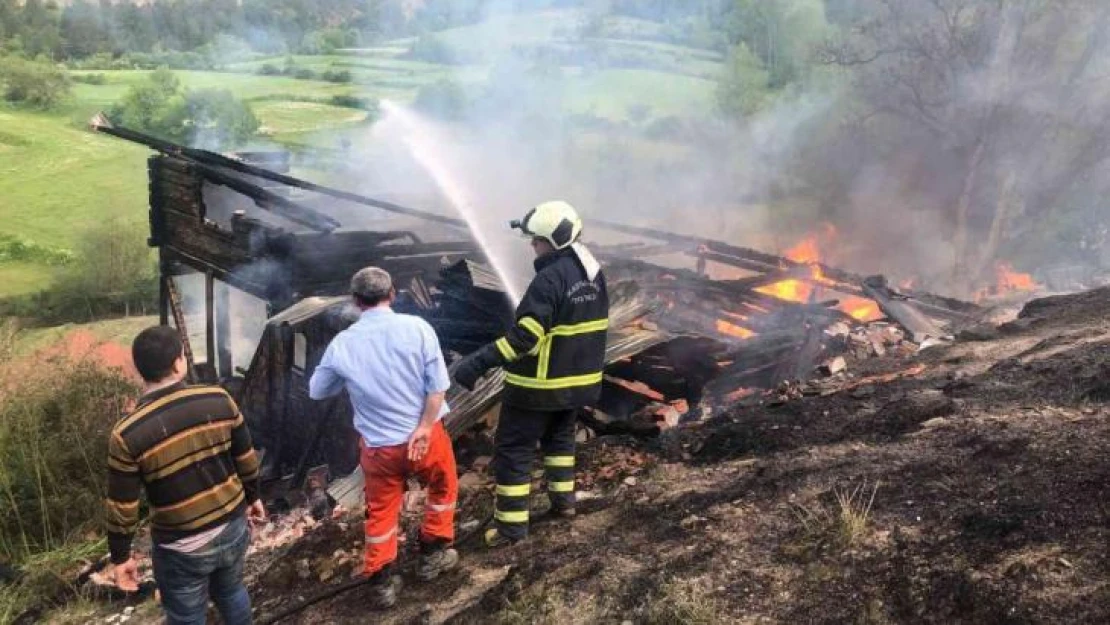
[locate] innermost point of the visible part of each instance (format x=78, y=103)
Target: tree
x=114, y=261
x=743, y=87
x=82, y=31
x=999, y=98
x=39, y=33
x=212, y=118
x=782, y=33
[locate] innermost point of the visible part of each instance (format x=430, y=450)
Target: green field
x=57, y=178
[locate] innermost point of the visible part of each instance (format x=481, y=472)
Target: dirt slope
x=986, y=465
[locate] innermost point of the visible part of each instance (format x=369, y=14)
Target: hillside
x=624, y=77
x=963, y=484
x=970, y=492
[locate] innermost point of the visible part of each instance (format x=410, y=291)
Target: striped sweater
x=191, y=449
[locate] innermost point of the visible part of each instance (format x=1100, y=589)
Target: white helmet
x=555, y=221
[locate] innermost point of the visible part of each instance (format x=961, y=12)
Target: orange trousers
x=385, y=470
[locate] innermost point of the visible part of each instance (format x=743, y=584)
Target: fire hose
x=360, y=581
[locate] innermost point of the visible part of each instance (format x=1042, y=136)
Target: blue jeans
x=186, y=580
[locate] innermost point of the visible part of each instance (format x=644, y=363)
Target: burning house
x=257, y=243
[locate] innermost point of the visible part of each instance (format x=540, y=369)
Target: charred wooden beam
x=754, y=260
x=212, y=159
x=901, y=310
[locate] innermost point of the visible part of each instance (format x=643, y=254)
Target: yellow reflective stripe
x=532, y=326
x=520, y=516
x=514, y=490
x=538, y=346
x=544, y=359
x=598, y=325
x=558, y=461
x=554, y=383
x=507, y=351
x=560, y=487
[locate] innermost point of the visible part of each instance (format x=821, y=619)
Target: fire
x=861, y=308
x=808, y=252
x=1010, y=280
x=1007, y=282
x=732, y=329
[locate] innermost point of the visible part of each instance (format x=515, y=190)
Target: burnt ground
x=986, y=465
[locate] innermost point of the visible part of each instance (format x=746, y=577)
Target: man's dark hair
x=370, y=302
x=154, y=352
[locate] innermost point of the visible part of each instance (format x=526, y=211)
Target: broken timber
x=936, y=306
x=900, y=310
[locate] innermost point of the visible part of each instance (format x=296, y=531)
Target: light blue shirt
x=389, y=364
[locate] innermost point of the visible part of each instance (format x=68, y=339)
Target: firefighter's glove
x=470, y=369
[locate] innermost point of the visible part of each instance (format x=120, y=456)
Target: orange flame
x=1010, y=280
x=861, y=308
x=732, y=329
x=1007, y=281
x=808, y=252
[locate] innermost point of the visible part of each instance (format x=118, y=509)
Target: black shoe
x=384, y=588
x=496, y=540
x=562, y=512
x=552, y=512
x=435, y=560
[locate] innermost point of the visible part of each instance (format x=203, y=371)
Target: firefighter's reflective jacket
x=553, y=357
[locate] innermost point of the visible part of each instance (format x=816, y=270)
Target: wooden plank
x=212, y=244
x=182, y=329
x=223, y=329
x=210, y=318
x=163, y=176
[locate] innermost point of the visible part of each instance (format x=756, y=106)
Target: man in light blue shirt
x=393, y=370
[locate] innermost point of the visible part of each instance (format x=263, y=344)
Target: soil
x=967, y=483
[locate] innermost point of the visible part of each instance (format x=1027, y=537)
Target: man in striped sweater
x=190, y=448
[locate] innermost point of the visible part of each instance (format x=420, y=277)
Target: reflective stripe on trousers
x=518, y=431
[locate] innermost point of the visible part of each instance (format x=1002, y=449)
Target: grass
x=244, y=86
x=612, y=93
x=120, y=331
x=683, y=602
x=842, y=525
x=57, y=179
x=301, y=117
x=47, y=578
x=540, y=605
x=20, y=278
x=854, y=516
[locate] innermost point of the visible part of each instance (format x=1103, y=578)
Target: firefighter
x=553, y=359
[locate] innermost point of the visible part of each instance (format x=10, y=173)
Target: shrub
x=54, y=428
x=269, y=69
x=111, y=273
x=213, y=117
x=369, y=105
x=304, y=73
x=34, y=83
x=337, y=75
x=17, y=249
